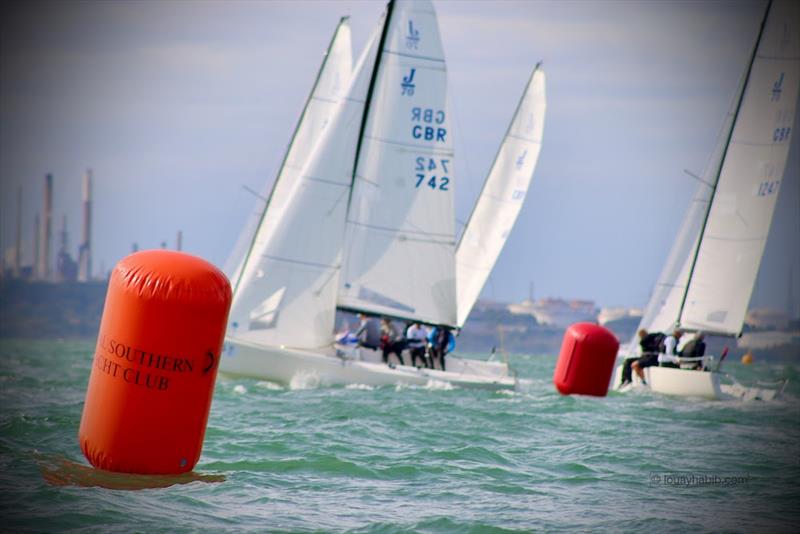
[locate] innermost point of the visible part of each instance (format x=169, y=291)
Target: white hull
x=690, y=383
x=342, y=367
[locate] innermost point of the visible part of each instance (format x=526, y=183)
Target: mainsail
x=400, y=233
x=741, y=212
x=709, y=276
x=502, y=196
x=287, y=291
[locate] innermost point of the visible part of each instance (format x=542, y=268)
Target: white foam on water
x=439, y=385
x=362, y=387
x=304, y=381
x=240, y=389
x=272, y=386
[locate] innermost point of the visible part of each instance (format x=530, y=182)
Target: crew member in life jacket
x=369, y=332
x=416, y=339
x=440, y=341
x=695, y=348
x=391, y=341
x=651, y=358
x=669, y=356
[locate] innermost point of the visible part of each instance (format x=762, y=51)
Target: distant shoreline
x=73, y=310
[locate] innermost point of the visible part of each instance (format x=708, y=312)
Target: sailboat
x=708, y=279
x=367, y=223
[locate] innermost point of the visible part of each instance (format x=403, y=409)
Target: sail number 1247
x=432, y=173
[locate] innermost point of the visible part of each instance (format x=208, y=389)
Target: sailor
x=441, y=341
x=416, y=336
x=669, y=358
x=391, y=341
x=369, y=332
x=651, y=346
x=695, y=348
x=648, y=346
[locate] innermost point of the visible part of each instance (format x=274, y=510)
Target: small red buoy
x=586, y=361
x=155, y=364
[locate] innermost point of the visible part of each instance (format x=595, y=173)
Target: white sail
x=400, y=242
x=736, y=230
x=287, y=292
x=502, y=196
x=333, y=80
x=663, y=309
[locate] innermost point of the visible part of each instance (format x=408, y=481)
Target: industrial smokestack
x=179, y=241
x=36, y=238
x=43, y=267
x=85, y=250
x=18, y=244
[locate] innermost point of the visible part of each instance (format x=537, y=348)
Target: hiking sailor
x=669, y=357
x=695, y=349
x=416, y=336
x=441, y=341
x=391, y=341
x=648, y=346
x=369, y=332
x=649, y=358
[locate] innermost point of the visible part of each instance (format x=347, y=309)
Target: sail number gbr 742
x=428, y=125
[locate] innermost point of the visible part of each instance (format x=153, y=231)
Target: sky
x=177, y=107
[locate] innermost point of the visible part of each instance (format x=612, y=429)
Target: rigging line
x=342, y=21
x=724, y=155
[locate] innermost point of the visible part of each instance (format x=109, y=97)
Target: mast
x=367, y=103
x=268, y=200
x=719, y=170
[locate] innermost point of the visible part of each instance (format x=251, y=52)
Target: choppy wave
x=310, y=458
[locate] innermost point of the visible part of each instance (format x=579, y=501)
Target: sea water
x=416, y=459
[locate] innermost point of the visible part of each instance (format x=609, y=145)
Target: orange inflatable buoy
x=155, y=364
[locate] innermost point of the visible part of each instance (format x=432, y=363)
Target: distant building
x=557, y=312
x=608, y=315
x=767, y=319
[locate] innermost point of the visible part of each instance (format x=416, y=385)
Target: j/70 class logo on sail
x=777, y=88
x=407, y=85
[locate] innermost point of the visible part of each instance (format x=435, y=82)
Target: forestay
x=287, y=292
x=735, y=233
x=502, y=196
x=400, y=238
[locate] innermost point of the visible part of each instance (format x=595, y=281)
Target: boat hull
x=678, y=382
x=342, y=367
